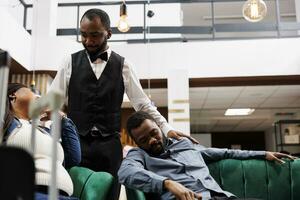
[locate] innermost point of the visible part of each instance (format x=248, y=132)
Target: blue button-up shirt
x=183, y=162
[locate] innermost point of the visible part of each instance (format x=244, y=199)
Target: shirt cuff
x=165, y=128
x=260, y=154
x=158, y=183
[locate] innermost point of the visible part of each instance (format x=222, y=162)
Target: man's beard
x=158, y=148
x=99, y=49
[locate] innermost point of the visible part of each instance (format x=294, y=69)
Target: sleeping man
x=176, y=169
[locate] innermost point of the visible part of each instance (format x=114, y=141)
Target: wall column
x=178, y=100
x=44, y=27
x=297, y=10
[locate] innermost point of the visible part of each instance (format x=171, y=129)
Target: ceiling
x=208, y=105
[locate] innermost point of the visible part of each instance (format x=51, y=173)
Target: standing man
x=94, y=81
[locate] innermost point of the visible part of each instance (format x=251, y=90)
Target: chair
x=17, y=174
x=90, y=185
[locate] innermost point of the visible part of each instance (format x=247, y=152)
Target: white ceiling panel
x=278, y=102
x=216, y=105
x=222, y=128
x=287, y=91
x=195, y=104
x=208, y=112
x=232, y=122
x=248, y=102
x=296, y=103
x=265, y=125
x=224, y=92
x=260, y=93
x=249, y=124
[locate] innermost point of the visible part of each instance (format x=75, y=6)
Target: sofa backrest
x=253, y=179
x=90, y=185
x=258, y=178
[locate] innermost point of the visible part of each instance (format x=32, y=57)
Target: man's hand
x=46, y=115
x=181, y=192
x=178, y=136
x=276, y=156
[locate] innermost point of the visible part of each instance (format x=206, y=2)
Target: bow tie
x=102, y=56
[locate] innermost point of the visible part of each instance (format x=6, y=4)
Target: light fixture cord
x=33, y=84
x=148, y=43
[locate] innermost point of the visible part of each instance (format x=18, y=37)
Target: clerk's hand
x=178, y=136
x=181, y=192
x=276, y=156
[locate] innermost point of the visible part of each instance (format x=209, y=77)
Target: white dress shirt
x=133, y=88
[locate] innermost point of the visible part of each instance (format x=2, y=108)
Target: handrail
x=52, y=101
x=4, y=71
x=111, y=3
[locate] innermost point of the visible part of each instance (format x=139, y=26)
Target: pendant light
x=123, y=24
x=254, y=10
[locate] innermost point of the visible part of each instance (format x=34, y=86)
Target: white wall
x=178, y=100
x=15, y=8
x=204, y=139
x=52, y=51
x=270, y=140
x=218, y=58
x=202, y=59
x=14, y=38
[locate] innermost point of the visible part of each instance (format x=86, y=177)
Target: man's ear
x=109, y=33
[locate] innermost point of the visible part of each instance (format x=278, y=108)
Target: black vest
x=96, y=102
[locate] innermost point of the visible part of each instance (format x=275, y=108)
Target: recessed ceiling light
x=239, y=111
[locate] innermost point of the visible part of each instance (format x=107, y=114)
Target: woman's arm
x=70, y=143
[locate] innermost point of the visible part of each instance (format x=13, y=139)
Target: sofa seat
x=90, y=185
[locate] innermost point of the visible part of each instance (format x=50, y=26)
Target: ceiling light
x=239, y=111
x=123, y=25
x=254, y=10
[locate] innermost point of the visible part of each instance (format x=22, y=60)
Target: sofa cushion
x=90, y=185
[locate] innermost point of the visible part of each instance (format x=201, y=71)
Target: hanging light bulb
x=123, y=25
x=33, y=88
x=254, y=10
x=33, y=85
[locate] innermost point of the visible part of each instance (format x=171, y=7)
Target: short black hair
x=136, y=119
x=92, y=13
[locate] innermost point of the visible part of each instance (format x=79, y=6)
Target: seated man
x=175, y=169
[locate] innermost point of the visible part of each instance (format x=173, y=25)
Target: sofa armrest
x=90, y=185
x=134, y=194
